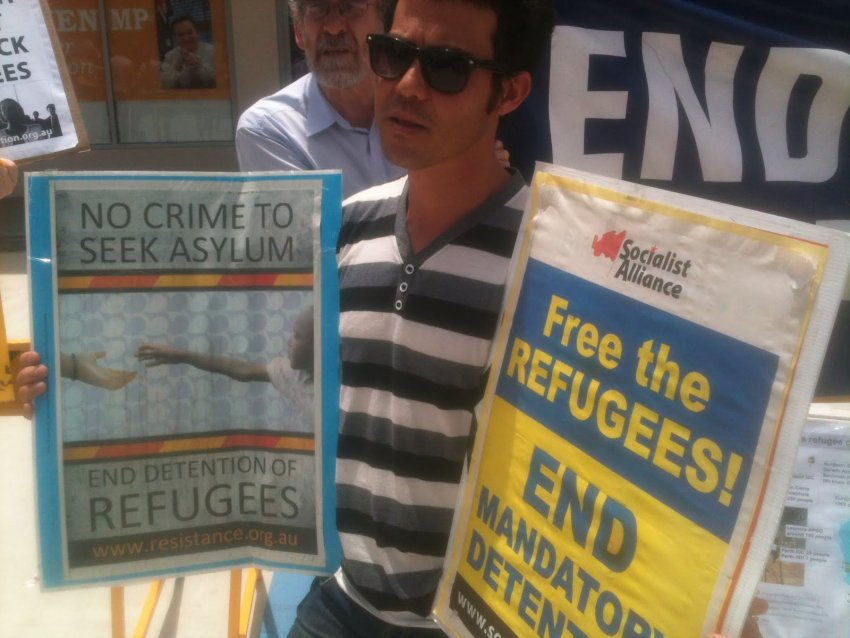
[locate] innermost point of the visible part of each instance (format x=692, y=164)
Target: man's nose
x=334, y=22
x=412, y=83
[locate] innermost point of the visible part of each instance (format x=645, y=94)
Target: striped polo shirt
x=415, y=335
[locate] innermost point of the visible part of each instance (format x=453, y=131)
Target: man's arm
x=200, y=69
x=153, y=355
x=85, y=367
x=182, y=69
x=168, y=71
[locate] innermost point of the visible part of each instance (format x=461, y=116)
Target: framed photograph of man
x=186, y=49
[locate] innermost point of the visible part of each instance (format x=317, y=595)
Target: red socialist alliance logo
x=609, y=244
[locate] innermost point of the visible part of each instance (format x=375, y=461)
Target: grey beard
x=335, y=73
x=340, y=78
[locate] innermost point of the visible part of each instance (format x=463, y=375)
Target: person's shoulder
x=506, y=208
x=371, y=212
x=373, y=195
x=288, y=103
x=291, y=94
x=520, y=195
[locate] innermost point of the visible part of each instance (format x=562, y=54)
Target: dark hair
x=523, y=29
x=13, y=112
x=295, y=8
x=184, y=18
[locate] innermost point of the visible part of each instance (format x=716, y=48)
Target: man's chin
x=339, y=78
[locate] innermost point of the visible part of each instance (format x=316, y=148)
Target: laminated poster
x=652, y=374
x=188, y=321
x=39, y=115
x=806, y=582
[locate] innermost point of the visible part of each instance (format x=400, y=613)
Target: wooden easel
x=240, y=605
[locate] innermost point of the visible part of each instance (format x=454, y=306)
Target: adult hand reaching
x=88, y=370
x=31, y=380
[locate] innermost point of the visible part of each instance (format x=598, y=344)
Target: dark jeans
x=327, y=612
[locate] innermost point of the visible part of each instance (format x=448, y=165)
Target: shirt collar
x=320, y=114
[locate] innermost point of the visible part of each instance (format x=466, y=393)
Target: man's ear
x=515, y=88
x=299, y=37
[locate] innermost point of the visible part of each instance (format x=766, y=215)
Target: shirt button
x=398, y=304
x=409, y=269
x=403, y=286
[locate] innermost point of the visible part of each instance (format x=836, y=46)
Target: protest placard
x=189, y=422
x=39, y=115
x=651, y=376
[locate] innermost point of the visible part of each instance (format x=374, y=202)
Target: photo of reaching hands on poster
x=187, y=406
x=38, y=111
x=182, y=358
x=290, y=374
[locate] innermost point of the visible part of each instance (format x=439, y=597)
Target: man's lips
x=406, y=120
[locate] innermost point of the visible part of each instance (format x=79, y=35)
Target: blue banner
x=739, y=102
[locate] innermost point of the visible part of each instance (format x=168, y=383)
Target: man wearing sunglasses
x=325, y=119
x=422, y=264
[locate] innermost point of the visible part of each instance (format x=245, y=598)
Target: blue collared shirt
x=298, y=129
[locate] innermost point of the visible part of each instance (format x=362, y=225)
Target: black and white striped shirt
x=415, y=336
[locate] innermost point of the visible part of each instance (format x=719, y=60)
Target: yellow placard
x=627, y=474
x=6, y=390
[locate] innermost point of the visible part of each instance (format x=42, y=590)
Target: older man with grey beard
x=324, y=120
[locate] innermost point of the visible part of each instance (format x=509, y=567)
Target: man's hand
x=30, y=381
x=91, y=372
x=191, y=61
x=502, y=154
x=8, y=176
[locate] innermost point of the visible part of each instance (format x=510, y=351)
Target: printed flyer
x=651, y=375
x=39, y=115
x=806, y=583
x=189, y=325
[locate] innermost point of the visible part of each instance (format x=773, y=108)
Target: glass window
x=167, y=78
x=78, y=26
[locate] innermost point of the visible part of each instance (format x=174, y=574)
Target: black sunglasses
x=445, y=70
